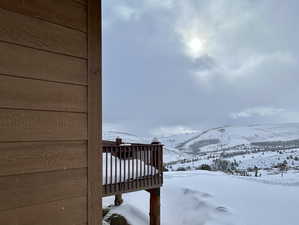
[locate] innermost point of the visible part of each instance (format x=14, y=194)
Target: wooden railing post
x=118, y=200
x=155, y=142
x=154, y=157
x=154, y=206
x=118, y=141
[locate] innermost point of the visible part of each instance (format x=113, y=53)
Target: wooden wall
x=50, y=115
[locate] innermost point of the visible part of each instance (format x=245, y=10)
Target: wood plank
x=41, y=95
x=83, y=2
x=29, y=157
x=65, y=212
x=70, y=13
x=126, y=190
x=27, y=125
x=94, y=112
x=28, y=31
x=26, y=62
x=37, y=188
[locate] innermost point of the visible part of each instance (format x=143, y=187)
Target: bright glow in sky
x=196, y=47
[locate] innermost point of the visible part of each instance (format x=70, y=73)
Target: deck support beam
x=118, y=200
x=155, y=206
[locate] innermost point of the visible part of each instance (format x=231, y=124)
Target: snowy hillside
x=247, y=147
x=227, y=137
x=127, y=137
x=222, y=139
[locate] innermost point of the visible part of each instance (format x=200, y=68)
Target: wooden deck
x=131, y=167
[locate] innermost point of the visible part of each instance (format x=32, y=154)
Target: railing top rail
x=120, y=143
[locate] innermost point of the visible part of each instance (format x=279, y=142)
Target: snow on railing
x=131, y=167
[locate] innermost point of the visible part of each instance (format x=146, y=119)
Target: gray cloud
x=195, y=63
x=258, y=111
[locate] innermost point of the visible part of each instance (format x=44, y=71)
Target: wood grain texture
x=27, y=125
x=94, y=113
x=41, y=95
x=38, y=188
x=65, y=212
x=30, y=157
x=83, y=2
x=69, y=13
x=43, y=112
x=27, y=62
x=28, y=31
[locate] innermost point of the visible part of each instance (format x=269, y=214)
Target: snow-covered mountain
x=226, y=137
x=220, y=139
x=111, y=135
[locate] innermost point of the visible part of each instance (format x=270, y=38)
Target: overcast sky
x=176, y=65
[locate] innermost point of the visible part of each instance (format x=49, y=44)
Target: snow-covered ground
x=214, y=198
x=267, y=159
x=262, y=160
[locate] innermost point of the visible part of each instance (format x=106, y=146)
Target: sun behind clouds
x=196, y=47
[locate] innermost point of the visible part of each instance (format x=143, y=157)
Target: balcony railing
x=131, y=167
